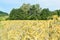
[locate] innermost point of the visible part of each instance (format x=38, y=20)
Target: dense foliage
x=31, y=12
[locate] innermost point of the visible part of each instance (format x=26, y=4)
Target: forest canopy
x=31, y=12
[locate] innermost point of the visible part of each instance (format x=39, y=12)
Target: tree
x=26, y=12
x=45, y=14
x=58, y=12
x=12, y=14
x=20, y=13
x=34, y=12
x=25, y=8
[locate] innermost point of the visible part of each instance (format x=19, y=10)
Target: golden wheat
x=29, y=30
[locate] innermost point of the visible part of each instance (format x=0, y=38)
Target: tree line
x=3, y=14
x=32, y=12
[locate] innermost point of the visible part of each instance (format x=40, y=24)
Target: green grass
x=3, y=18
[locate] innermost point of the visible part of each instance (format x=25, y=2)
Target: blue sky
x=8, y=5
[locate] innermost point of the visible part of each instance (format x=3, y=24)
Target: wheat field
x=29, y=30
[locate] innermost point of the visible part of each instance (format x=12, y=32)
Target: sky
x=8, y=5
